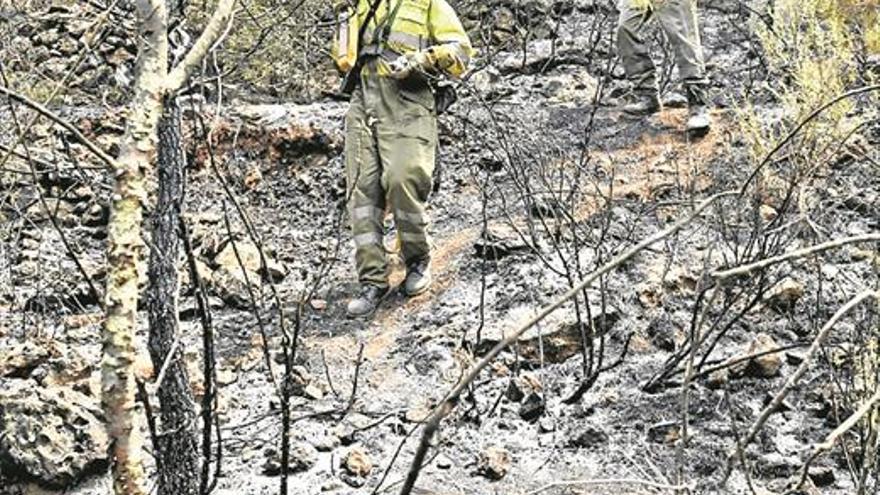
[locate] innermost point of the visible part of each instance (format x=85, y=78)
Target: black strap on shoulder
x=371, y=14
x=385, y=29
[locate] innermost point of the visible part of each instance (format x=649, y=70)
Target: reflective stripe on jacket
x=429, y=25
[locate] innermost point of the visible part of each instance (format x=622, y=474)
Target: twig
x=208, y=368
x=327, y=373
x=444, y=408
x=357, y=373
x=799, y=253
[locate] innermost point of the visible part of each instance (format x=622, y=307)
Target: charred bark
x=177, y=452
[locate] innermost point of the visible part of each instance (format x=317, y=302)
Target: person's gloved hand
x=405, y=65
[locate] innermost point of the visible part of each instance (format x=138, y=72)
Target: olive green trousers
x=390, y=148
x=678, y=19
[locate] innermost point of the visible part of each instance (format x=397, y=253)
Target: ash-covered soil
x=509, y=237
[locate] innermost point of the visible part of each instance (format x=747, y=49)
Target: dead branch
x=799, y=253
x=449, y=403
x=798, y=374
x=832, y=437
x=24, y=100
x=612, y=481
x=212, y=33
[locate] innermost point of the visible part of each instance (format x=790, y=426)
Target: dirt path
x=642, y=170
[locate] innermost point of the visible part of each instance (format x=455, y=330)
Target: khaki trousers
x=678, y=19
x=390, y=148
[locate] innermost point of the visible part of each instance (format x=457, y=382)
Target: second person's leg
x=636, y=58
x=679, y=21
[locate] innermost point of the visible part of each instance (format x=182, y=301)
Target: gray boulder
x=52, y=435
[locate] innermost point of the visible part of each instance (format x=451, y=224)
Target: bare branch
x=24, y=100
x=832, y=437
x=800, y=253
x=216, y=27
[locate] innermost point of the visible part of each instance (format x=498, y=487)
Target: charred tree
x=176, y=446
x=125, y=257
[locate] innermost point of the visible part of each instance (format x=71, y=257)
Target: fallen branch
x=612, y=481
x=799, y=253
x=798, y=374
x=449, y=403
x=832, y=437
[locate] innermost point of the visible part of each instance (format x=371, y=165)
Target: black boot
x=699, y=120
x=643, y=103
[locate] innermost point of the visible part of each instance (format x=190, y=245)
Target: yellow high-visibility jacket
x=428, y=25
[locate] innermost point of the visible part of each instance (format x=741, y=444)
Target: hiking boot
x=418, y=277
x=699, y=120
x=643, y=104
x=367, y=300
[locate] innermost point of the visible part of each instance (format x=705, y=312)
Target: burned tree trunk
x=177, y=454
x=125, y=260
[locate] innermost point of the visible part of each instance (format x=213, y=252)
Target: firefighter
x=393, y=50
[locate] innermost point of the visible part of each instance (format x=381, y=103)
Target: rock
x=357, y=463
x=766, y=366
x=663, y=333
x=189, y=308
x=344, y=432
x=674, y=99
x=61, y=210
x=301, y=381
x=776, y=465
x=590, y=436
x=19, y=360
x=485, y=80
x=442, y=462
x=533, y=407
x=302, y=458
x=667, y=432
x=418, y=412
x=794, y=358
x=499, y=241
x=523, y=385
x=578, y=87
x=313, y=391
x=514, y=393
x=768, y=213
x=318, y=304
x=53, y=435
x=547, y=425
x=230, y=288
x=557, y=346
x=494, y=463
x=237, y=257
x=327, y=443
x=784, y=295
x=821, y=476
x=249, y=254
x=718, y=378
